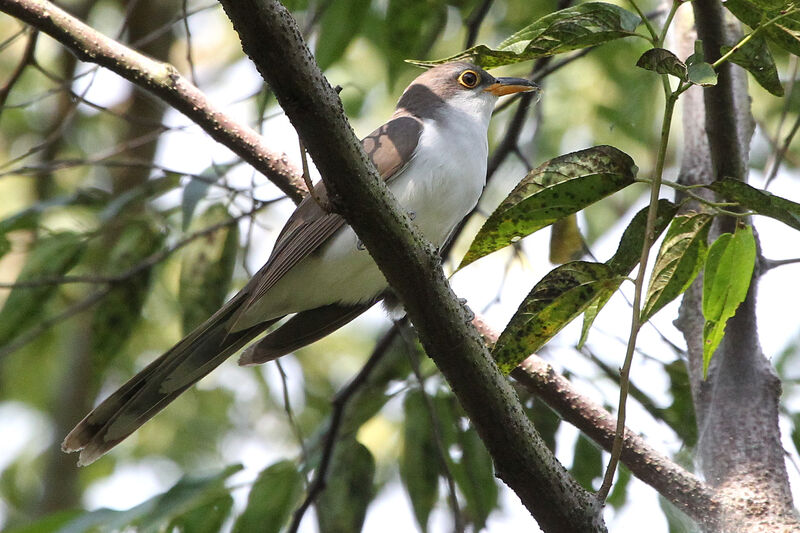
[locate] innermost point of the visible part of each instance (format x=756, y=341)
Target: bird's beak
x=503, y=86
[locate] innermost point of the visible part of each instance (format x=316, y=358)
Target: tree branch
x=270, y=36
x=672, y=481
x=164, y=81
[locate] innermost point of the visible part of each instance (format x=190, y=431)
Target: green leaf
x=558, y=188
x=587, y=462
x=627, y=256
x=349, y=488
x=116, y=316
x=197, y=188
x=588, y=24
x=189, y=493
x=183, y=497
x=149, y=189
x=702, y=74
x=207, y=518
x=564, y=293
x=755, y=57
x=207, y=267
x=679, y=261
x=760, y=201
x=629, y=251
x=194, y=191
x=795, y=432
x=593, y=310
x=275, y=494
x=663, y=62
x=50, y=523
x=419, y=464
x=472, y=469
x=729, y=269
x=340, y=23
x=408, y=29
x=28, y=218
x=51, y=257
x=785, y=32
x=474, y=475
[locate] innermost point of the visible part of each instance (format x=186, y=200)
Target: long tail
x=158, y=384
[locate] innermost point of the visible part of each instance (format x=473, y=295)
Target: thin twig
x=769, y=264
x=339, y=404
x=26, y=59
x=636, y=318
x=287, y=406
x=164, y=81
x=474, y=21
x=189, y=59
x=8, y=42
x=148, y=262
x=772, y=165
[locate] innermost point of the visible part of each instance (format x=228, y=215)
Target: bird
x=432, y=154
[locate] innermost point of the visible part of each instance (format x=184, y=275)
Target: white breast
x=439, y=187
x=445, y=178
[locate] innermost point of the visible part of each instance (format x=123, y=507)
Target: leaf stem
x=668, y=21
x=687, y=189
x=747, y=38
x=636, y=320
x=646, y=21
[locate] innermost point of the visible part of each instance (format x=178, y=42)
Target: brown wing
x=300, y=330
x=390, y=148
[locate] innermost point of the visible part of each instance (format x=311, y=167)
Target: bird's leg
x=321, y=202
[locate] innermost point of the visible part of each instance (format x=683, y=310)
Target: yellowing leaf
x=207, y=267
x=762, y=202
x=563, y=294
x=576, y=27
x=679, y=261
x=566, y=241
x=51, y=257
x=554, y=190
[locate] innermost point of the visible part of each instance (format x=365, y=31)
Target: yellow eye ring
x=469, y=79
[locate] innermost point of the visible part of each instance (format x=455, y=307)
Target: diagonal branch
x=164, y=81
x=681, y=488
x=270, y=36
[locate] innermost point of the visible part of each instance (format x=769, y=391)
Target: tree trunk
x=739, y=448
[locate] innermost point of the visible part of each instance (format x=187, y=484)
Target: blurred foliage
x=98, y=184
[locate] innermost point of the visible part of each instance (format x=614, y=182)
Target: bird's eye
x=469, y=79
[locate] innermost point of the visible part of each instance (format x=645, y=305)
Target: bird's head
x=462, y=85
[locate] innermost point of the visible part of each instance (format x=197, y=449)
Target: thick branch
x=672, y=481
x=271, y=38
x=164, y=81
